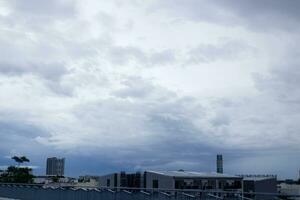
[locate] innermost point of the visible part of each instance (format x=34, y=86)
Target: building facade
x=289, y=189
x=172, y=180
x=260, y=184
x=191, y=180
x=122, y=179
x=55, y=166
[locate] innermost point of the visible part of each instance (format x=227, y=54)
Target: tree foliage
x=20, y=159
x=17, y=159
x=18, y=174
x=24, y=159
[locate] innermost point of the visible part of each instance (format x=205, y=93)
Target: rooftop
x=191, y=174
x=257, y=178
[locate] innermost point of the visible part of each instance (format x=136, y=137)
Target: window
x=108, y=182
x=115, y=179
x=155, y=184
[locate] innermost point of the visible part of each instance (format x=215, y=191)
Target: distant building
x=88, y=178
x=260, y=184
x=122, y=179
x=289, y=189
x=55, y=166
x=220, y=164
x=48, y=180
x=172, y=180
x=87, y=181
x=42, y=179
x=191, y=180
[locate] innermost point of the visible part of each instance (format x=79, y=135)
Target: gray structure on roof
x=258, y=178
x=192, y=174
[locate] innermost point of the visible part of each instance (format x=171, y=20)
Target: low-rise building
x=191, y=180
x=42, y=179
x=122, y=179
x=172, y=180
x=52, y=179
x=88, y=181
x=260, y=184
x=289, y=189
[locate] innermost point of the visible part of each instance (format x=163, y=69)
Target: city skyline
x=163, y=85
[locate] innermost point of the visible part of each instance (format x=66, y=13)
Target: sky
x=151, y=85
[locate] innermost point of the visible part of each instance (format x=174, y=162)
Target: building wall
x=290, y=189
x=91, y=183
x=163, y=181
x=132, y=180
x=267, y=186
x=112, y=179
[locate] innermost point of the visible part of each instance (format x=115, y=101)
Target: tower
x=220, y=163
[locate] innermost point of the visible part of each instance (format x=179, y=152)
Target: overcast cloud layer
x=135, y=85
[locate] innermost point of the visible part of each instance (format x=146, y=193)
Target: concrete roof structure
x=191, y=174
x=258, y=178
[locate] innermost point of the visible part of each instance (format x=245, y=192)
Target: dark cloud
x=124, y=121
x=52, y=71
x=281, y=82
x=254, y=14
x=14, y=128
x=51, y=9
x=146, y=133
x=19, y=136
x=266, y=15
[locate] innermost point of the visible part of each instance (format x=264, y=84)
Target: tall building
x=220, y=163
x=55, y=166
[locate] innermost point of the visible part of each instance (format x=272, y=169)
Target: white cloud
x=95, y=76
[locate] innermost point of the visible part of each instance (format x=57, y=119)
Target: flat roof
x=191, y=174
x=258, y=178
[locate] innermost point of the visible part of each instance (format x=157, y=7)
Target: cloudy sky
x=151, y=84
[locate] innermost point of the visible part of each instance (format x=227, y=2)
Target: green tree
x=24, y=159
x=20, y=159
x=17, y=159
x=18, y=174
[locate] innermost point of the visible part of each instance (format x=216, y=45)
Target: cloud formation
x=152, y=85
x=256, y=15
